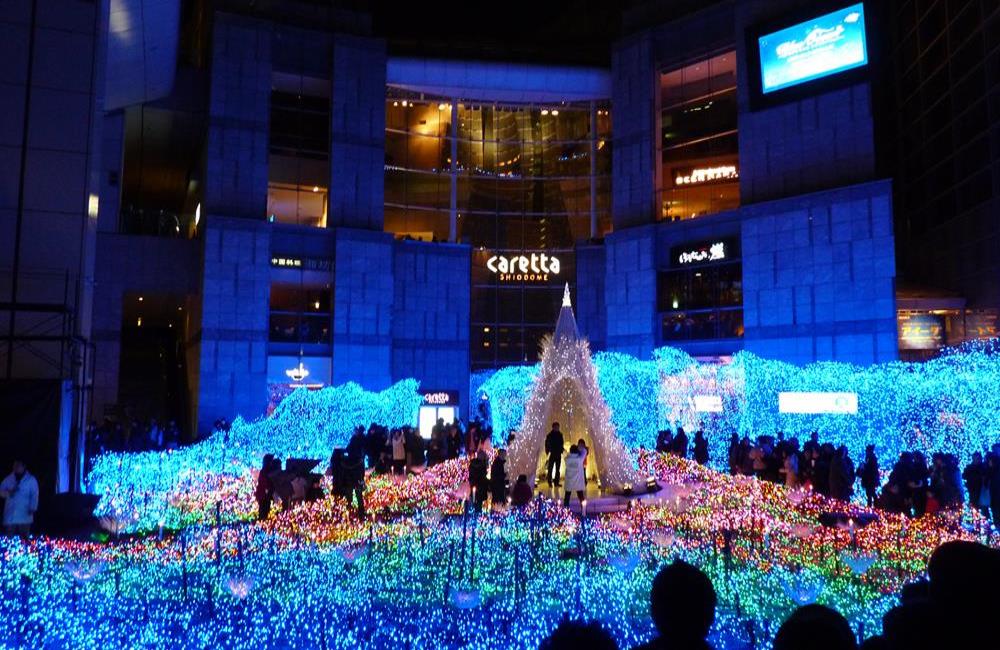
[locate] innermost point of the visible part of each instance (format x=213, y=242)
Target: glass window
x=409, y=223
x=703, y=302
x=298, y=146
x=699, y=143
x=300, y=314
x=522, y=179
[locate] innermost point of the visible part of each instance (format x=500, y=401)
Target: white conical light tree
x=567, y=369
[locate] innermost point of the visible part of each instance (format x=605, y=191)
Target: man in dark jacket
x=681, y=443
x=664, y=441
x=554, y=448
x=841, y=475
x=870, y=475
x=353, y=476
x=479, y=485
x=975, y=477
x=700, y=447
x=498, y=478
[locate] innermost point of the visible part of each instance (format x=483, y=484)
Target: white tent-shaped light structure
x=566, y=391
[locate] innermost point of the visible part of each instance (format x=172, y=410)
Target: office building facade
x=340, y=213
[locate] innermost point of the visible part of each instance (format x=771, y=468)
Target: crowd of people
x=402, y=451
x=949, y=609
x=913, y=486
x=132, y=434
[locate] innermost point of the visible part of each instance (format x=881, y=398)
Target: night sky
x=564, y=31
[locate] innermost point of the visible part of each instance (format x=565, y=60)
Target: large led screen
x=813, y=49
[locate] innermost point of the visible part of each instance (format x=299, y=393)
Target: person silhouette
x=682, y=603
x=815, y=627
x=573, y=635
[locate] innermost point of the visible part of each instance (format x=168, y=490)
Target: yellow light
x=315, y=188
x=316, y=304
x=486, y=329
x=545, y=111
x=395, y=103
x=140, y=298
x=138, y=322
x=555, y=112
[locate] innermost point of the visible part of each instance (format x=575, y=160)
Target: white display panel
x=708, y=403
x=429, y=416
x=818, y=402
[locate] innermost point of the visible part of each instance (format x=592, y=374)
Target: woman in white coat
x=574, y=480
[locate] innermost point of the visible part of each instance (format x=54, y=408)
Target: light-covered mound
x=177, y=487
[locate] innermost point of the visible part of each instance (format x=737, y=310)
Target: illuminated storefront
x=701, y=291
x=522, y=183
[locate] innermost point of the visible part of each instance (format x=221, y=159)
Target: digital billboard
x=813, y=49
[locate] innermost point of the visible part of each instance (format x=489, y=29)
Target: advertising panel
x=813, y=49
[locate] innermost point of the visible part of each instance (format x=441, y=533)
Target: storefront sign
x=440, y=397
x=703, y=175
x=306, y=263
x=981, y=325
x=708, y=252
x=536, y=267
x=920, y=331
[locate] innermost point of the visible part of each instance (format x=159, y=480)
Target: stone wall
x=590, y=305
x=363, y=308
x=132, y=264
x=238, y=118
x=357, y=133
x=630, y=290
x=633, y=120
x=430, y=316
x=820, y=142
x=819, y=276
x=232, y=341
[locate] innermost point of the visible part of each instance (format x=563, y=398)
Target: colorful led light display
x=947, y=404
x=419, y=574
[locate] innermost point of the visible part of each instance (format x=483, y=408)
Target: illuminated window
x=300, y=314
x=699, y=144
x=298, y=160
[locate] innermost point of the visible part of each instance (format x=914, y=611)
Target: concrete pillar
x=357, y=133
x=363, y=306
x=634, y=83
x=238, y=118
x=236, y=291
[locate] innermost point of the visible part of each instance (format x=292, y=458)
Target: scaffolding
x=45, y=336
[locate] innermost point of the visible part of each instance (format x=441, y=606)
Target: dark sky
x=563, y=31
